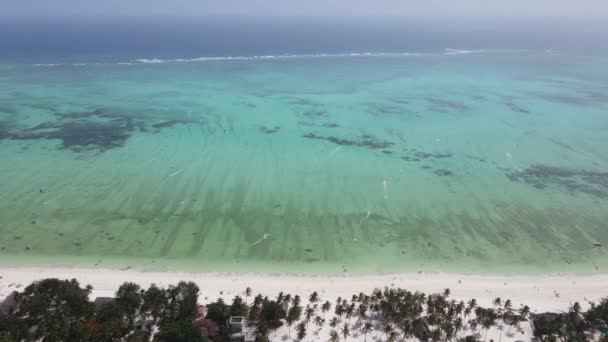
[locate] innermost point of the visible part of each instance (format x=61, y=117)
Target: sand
x=541, y=293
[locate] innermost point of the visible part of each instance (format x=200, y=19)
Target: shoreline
x=538, y=291
x=350, y=268
x=542, y=293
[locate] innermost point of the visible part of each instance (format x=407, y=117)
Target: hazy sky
x=508, y=8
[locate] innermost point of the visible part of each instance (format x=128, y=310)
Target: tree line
x=52, y=310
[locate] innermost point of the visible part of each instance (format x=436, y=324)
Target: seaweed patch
x=324, y=125
x=479, y=159
x=425, y=155
x=4, y=130
x=443, y=172
x=414, y=155
x=165, y=124
x=269, y=130
x=314, y=113
x=303, y=102
x=362, y=141
x=447, y=104
x=378, y=108
x=7, y=109
x=97, y=130
x=581, y=100
x=408, y=158
x=594, y=183
x=516, y=108
x=83, y=135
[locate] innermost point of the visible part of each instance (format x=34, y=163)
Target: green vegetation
x=60, y=310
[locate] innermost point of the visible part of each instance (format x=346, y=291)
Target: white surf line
x=384, y=183
x=264, y=237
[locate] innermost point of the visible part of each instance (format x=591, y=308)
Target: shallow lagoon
x=472, y=161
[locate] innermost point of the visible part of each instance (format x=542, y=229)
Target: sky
x=427, y=8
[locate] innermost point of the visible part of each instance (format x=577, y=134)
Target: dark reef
x=594, y=183
x=83, y=135
x=362, y=141
x=98, y=130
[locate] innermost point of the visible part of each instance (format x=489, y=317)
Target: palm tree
x=247, y=294
x=388, y=329
x=350, y=310
x=287, y=299
x=334, y=336
x=293, y=315
x=291, y=319
x=339, y=310
x=258, y=300
x=406, y=328
x=472, y=304
x=325, y=307
x=280, y=297
x=367, y=328
x=319, y=321
x=309, y=313
x=345, y=331
x=524, y=311
x=333, y=322
x=297, y=300
x=362, y=312
x=314, y=297
x=487, y=318
x=458, y=325
x=301, y=331
x=392, y=337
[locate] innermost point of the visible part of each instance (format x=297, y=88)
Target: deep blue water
x=49, y=40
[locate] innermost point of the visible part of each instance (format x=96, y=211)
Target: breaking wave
x=140, y=61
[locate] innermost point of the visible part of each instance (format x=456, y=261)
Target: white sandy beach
x=541, y=293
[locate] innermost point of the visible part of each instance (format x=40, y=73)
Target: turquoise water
x=481, y=161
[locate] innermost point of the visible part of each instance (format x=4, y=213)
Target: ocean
x=304, y=145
